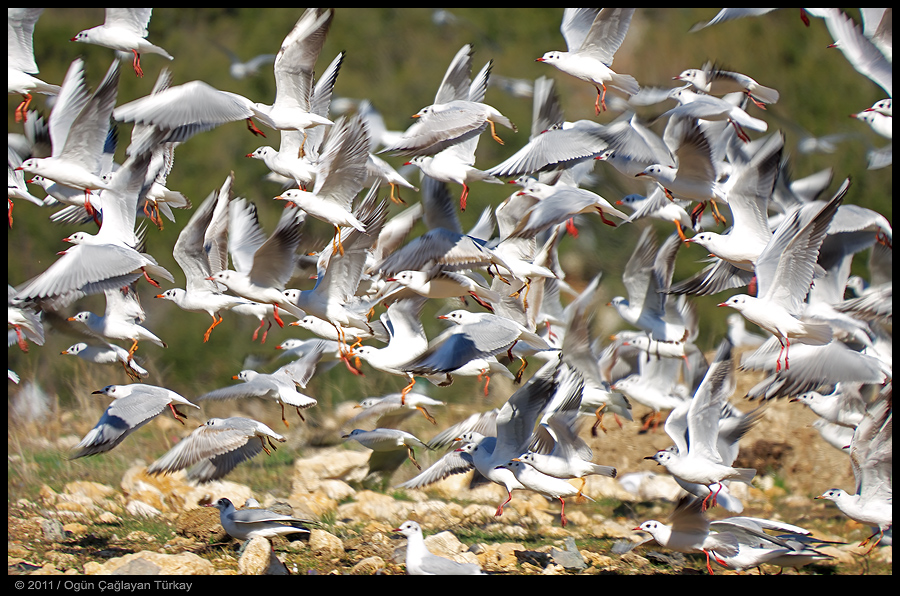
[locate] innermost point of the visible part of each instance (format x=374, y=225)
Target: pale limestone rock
x=181, y=564
x=259, y=559
x=325, y=544
x=368, y=566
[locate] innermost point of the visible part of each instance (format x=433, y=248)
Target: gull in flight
x=214, y=449
x=125, y=30
x=193, y=107
x=21, y=65
x=133, y=406
x=593, y=35
x=784, y=273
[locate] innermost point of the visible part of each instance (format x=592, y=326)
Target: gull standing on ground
x=20, y=63
x=690, y=532
x=593, y=35
x=421, y=561
x=216, y=448
x=245, y=524
x=871, y=455
x=384, y=442
x=133, y=406
x=784, y=273
x=125, y=30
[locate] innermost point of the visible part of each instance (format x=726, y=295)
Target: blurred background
x=396, y=58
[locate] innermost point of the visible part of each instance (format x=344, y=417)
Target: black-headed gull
x=697, y=458
x=561, y=453
x=107, y=354
x=214, y=449
x=593, y=36
x=457, y=114
x=715, y=81
x=696, y=175
x=280, y=386
x=79, y=124
x=871, y=455
x=690, y=532
x=784, y=273
x=512, y=427
x=133, y=407
x=20, y=59
x=196, y=106
x=393, y=408
x=710, y=108
x=340, y=175
x=296, y=157
x=421, y=561
x=530, y=478
x=121, y=320
x=647, y=275
x=125, y=30
x=383, y=441
x=858, y=49
x=264, y=266
x=201, y=250
x=245, y=524
x=407, y=340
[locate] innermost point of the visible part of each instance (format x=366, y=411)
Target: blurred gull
x=384, y=441
x=216, y=448
x=20, y=63
x=871, y=455
x=690, y=532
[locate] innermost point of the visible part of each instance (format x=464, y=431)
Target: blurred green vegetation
x=396, y=58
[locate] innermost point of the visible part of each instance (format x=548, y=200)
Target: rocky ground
x=146, y=525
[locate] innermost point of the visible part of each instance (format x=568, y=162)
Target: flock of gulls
x=780, y=252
